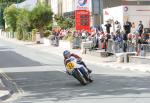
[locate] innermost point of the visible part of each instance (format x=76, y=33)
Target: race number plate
x=70, y=65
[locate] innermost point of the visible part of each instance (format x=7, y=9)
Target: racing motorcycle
x=77, y=70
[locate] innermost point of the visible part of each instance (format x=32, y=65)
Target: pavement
x=96, y=60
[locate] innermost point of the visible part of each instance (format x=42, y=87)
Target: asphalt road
x=41, y=76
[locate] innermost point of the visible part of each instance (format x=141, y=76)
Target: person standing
x=117, y=26
x=108, y=26
x=127, y=29
x=140, y=28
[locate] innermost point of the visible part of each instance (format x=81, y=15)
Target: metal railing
x=76, y=42
x=145, y=50
x=118, y=47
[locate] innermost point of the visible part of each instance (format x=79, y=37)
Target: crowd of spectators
x=122, y=34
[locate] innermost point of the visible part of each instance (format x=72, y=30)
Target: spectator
x=100, y=28
x=139, y=40
x=97, y=37
x=140, y=28
x=119, y=40
x=134, y=38
x=146, y=35
x=117, y=26
x=84, y=34
x=106, y=38
x=108, y=26
x=113, y=36
x=118, y=37
x=127, y=27
x=62, y=33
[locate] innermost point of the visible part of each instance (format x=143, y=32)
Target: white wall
x=132, y=13
x=115, y=13
x=68, y=5
x=137, y=13
x=54, y=6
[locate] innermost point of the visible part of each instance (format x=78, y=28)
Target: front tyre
x=77, y=74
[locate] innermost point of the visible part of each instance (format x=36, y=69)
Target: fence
x=76, y=43
x=54, y=40
x=115, y=47
x=92, y=43
x=144, y=50
x=119, y=47
x=27, y=36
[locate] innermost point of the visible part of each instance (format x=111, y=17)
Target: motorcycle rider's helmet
x=66, y=52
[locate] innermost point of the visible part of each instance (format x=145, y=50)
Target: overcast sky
x=29, y=4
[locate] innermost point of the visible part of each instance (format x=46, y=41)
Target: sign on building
x=82, y=15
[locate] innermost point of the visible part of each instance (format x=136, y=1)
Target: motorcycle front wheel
x=77, y=74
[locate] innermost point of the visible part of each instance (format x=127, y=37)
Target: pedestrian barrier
x=118, y=47
x=110, y=48
x=131, y=47
x=145, y=50
x=114, y=47
x=55, y=41
x=76, y=43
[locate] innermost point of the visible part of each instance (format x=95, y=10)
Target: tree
x=3, y=5
x=10, y=15
x=64, y=23
x=10, y=2
x=40, y=17
x=23, y=23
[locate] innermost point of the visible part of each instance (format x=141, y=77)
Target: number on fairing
x=70, y=65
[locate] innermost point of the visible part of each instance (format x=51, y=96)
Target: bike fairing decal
x=82, y=2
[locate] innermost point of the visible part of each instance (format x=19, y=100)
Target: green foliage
x=27, y=37
x=68, y=37
x=3, y=5
x=22, y=24
x=34, y=34
x=47, y=33
x=2, y=22
x=64, y=23
x=49, y=26
x=20, y=34
x=11, y=1
x=40, y=16
x=10, y=15
x=23, y=21
x=6, y=3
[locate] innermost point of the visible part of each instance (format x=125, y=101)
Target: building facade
x=67, y=7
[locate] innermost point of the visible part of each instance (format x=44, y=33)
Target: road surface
x=41, y=77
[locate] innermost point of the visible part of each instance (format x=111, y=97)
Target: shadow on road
x=12, y=59
x=57, y=86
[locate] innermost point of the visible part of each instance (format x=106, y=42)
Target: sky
x=29, y=4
